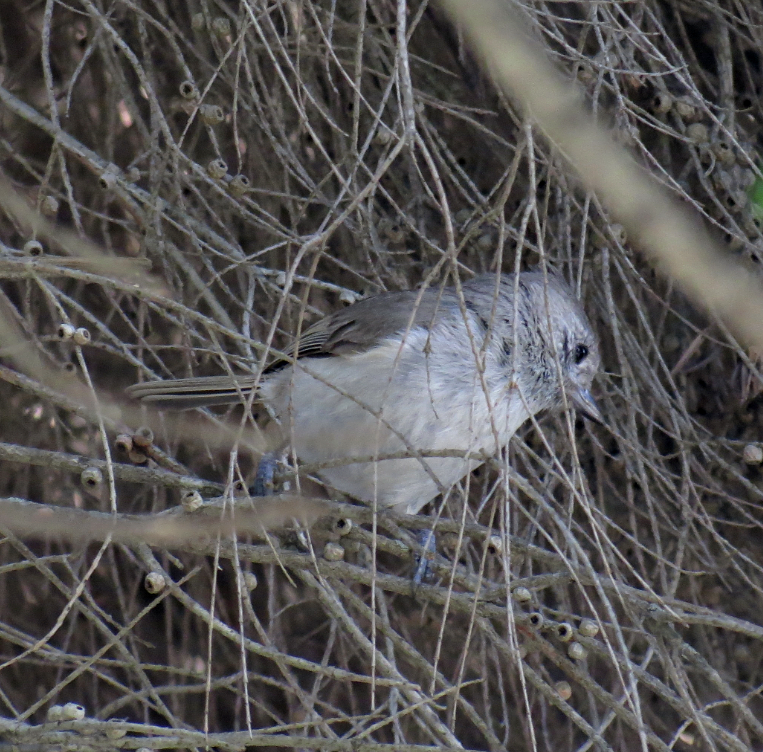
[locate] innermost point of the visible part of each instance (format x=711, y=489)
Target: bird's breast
x=414, y=395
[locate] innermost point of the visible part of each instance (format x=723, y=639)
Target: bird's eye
x=581, y=353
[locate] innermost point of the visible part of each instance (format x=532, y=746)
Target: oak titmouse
x=415, y=372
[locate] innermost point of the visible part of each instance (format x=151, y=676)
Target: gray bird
x=408, y=372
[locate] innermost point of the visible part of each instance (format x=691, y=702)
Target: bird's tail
x=204, y=391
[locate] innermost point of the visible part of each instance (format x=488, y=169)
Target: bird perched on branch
x=415, y=372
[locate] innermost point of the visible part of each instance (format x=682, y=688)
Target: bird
x=405, y=373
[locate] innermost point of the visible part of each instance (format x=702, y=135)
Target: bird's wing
x=363, y=325
x=354, y=329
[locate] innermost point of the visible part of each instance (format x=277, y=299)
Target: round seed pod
x=49, y=206
x=583, y=71
x=563, y=689
x=109, y=178
x=733, y=242
x=91, y=477
x=72, y=712
x=54, y=713
x=724, y=153
x=686, y=107
x=239, y=185
x=383, y=136
x=662, y=102
x=576, y=651
x=123, y=442
x=745, y=102
x=249, y=581
x=521, y=595
x=588, y=628
x=746, y=178
x=143, y=437
x=333, y=552
x=65, y=332
x=735, y=201
x=486, y=241
x=33, y=248
x=197, y=21
x=189, y=90
x=698, y=133
x=137, y=457
x=154, y=582
x=495, y=545
x=343, y=526
x=221, y=26
x=536, y=619
x=217, y=168
x=462, y=216
x=753, y=225
x=564, y=631
x=191, y=500
x=394, y=232
x=81, y=336
x=212, y=114
x=752, y=454
x=722, y=180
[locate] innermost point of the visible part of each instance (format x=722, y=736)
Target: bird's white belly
x=373, y=404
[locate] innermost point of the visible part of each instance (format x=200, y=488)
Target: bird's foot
x=266, y=480
x=424, y=572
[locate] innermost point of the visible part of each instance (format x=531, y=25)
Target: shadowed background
x=256, y=166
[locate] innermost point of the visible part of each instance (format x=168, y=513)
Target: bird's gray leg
x=426, y=539
x=263, y=484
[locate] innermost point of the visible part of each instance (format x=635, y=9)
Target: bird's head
x=559, y=342
x=577, y=350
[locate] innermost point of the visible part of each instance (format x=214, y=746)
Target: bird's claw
x=424, y=573
x=264, y=479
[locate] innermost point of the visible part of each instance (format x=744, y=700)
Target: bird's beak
x=583, y=401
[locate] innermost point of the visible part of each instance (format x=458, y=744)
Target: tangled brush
x=186, y=186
